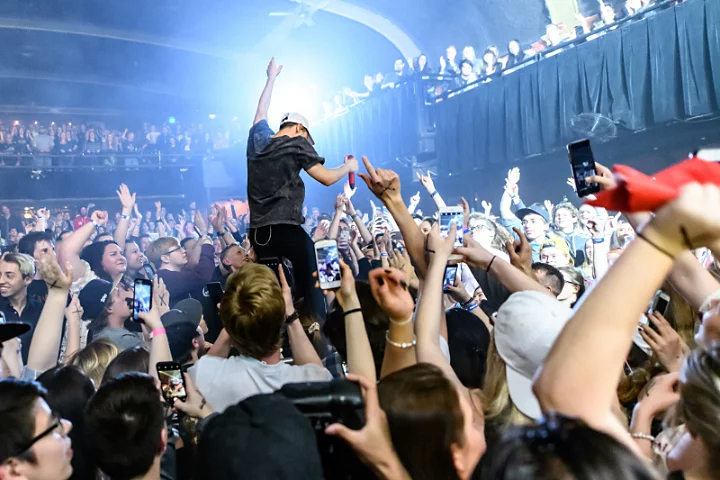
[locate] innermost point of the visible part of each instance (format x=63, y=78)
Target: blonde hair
x=25, y=263
x=94, y=359
x=556, y=241
x=253, y=310
x=498, y=406
x=160, y=247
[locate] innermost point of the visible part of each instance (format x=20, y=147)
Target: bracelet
x=400, y=345
x=466, y=231
x=384, y=254
x=350, y=312
x=490, y=264
x=472, y=307
x=158, y=331
x=125, y=217
x=465, y=304
x=95, y=224
x=434, y=193
x=655, y=246
x=404, y=322
x=598, y=240
x=643, y=436
x=292, y=317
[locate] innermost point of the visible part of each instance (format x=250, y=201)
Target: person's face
x=568, y=295
x=534, y=226
x=586, y=213
x=11, y=280
x=514, y=47
x=469, y=53
x=399, y=65
x=425, y=228
x=315, y=213
x=13, y=234
x=83, y=211
x=5, y=210
x=379, y=78
x=42, y=250
x=625, y=230
x=237, y=257
x=53, y=451
x=422, y=61
x=144, y=242
x=217, y=244
x=119, y=307
x=113, y=261
x=489, y=58
x=451, y=53
x=134, y=256
x=178, y=255
x=553, y=256
x=481, y=231
x=564, y=219
x=709, y=329
x=466, y=69
x=467, y=456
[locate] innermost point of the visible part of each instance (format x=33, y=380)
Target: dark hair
x=576, y=279
x=69, y=391
x=468, y=342
x=425, y=419
x=185, y=240
x=123, y=422
x=101, y=235
x=136, y=359
x=465, y=60
x=562, y=447
x=27, y=244
x=93, y=255
x=552, y=277
x=60, y=236
x=17, y=416
x=376, y=324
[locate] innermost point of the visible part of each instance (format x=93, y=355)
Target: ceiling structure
x=198, y=56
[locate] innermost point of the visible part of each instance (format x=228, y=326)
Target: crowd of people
x=95, y=138
x=549, y=356
x=455, y=71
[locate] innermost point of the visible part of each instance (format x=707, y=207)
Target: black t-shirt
x=30, y=315
x=37, y=291
x=276, y=192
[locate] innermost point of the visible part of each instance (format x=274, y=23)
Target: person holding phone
x=276, y=192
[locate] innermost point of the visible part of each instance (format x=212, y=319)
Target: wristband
x=655, y=246
x=598, y=240
x=466, y=304
x=158, y=331
x=643, y=436
x=466, y=231
x=292, y=317
x=434, y=193
x=400, y=345
x=95, y=224
x=384, y=254
x=472, y=307
x=404, y=322
x=125, y=217
x=350, y=312
x=490, y=264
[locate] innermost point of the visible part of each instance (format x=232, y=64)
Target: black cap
x=535, y=208
x=180, y=336
x=262, y=437
x=10, y=330
x=187, y=310
x=93, y=298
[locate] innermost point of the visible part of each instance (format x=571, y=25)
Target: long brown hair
x=425, y=418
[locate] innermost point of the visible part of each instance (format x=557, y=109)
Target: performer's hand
x=273, y=70
x=351, y=163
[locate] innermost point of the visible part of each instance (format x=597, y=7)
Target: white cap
x=527, y=325
x=294, y=117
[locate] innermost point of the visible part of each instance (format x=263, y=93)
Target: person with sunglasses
x=34, y=441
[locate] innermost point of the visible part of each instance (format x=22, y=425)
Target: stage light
x=212, y=116
x=52, y=123
x=294, y=97
x=16, y=122
x=35, y=122
x=171, y=120
x=70, y=124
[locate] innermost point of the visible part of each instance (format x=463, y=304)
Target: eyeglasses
x=179, y=247
x=482, y=226
x=57, y=423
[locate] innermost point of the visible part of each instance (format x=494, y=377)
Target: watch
x=292, y=317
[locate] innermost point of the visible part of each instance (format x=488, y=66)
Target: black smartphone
x=232, y=209
x=172, y=382
x=142, y=297
x=273, y=263
x=200, y=235
x=582, y=162
x=449, y=278
x=149, y=272
x=215, y=290
x=660, y=304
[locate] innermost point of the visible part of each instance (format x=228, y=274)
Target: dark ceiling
x=200, y=56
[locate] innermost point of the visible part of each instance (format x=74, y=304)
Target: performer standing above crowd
x=276, y=192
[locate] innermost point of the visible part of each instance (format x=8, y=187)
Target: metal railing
x=100, y=161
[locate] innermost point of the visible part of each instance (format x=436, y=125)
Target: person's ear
x=195, y=343
x=163, y=441
x=165, y=259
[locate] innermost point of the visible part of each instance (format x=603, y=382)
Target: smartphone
x=200, y=235
x=142, y=297
x=148, y=271
x=172, y=382
x=660, y=304
x=448, y=216
x=449, y=278
x=232, y=209
x=215, y=290
x=582, y=163
x=326, y=254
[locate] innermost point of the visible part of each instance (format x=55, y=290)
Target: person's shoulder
x=308, y=372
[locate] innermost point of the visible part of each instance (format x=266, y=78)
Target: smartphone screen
x=449, y=279
x=582, y=162
x=328, y=264
x=447, y=218
x=661, y=303
x=172, y=383
x=142, y=297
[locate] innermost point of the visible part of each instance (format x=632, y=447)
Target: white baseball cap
x=527, y=325
x=294, y=117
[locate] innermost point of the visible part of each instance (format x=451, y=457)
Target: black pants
x=293, y=243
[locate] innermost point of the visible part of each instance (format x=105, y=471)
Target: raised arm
x=331, y=176
x=335, y=224
x=159, y=347
x=602, y=328
x=273, y=71
x=128, y=203
x=429, y=185
x=362, y=229
x=72, y=245
x=302, y=350
x=73, y=316
x=45, y=344
x=511, y=194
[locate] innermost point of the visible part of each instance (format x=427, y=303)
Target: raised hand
x=53, y=275
x=415, y=199
x=604, y=177
x=440, y=248
x=400, y=259
x=475, y=254
x=346, y=294
x=487, y=207
x=668, y=346
x=321, y=230
x=466, y=210
x=100, y=217
x=351, y=163
x=273, y=70
x=195, y=404
x=340, y=201
x=161, y=297
x=158, y=206
x=286, y=291
x=549, y=207
x=660, y=394
x=511, y=182
x=426, y=180
x=384, y=184
x=200, y=222
x=74, y=310
x=349, y=192
x=571, y=182
x=390, y=289
x=520, y=252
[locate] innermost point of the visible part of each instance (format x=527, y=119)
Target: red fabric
x=636, y=192
x=79, y=222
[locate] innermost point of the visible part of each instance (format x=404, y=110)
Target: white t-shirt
x=227, y=381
